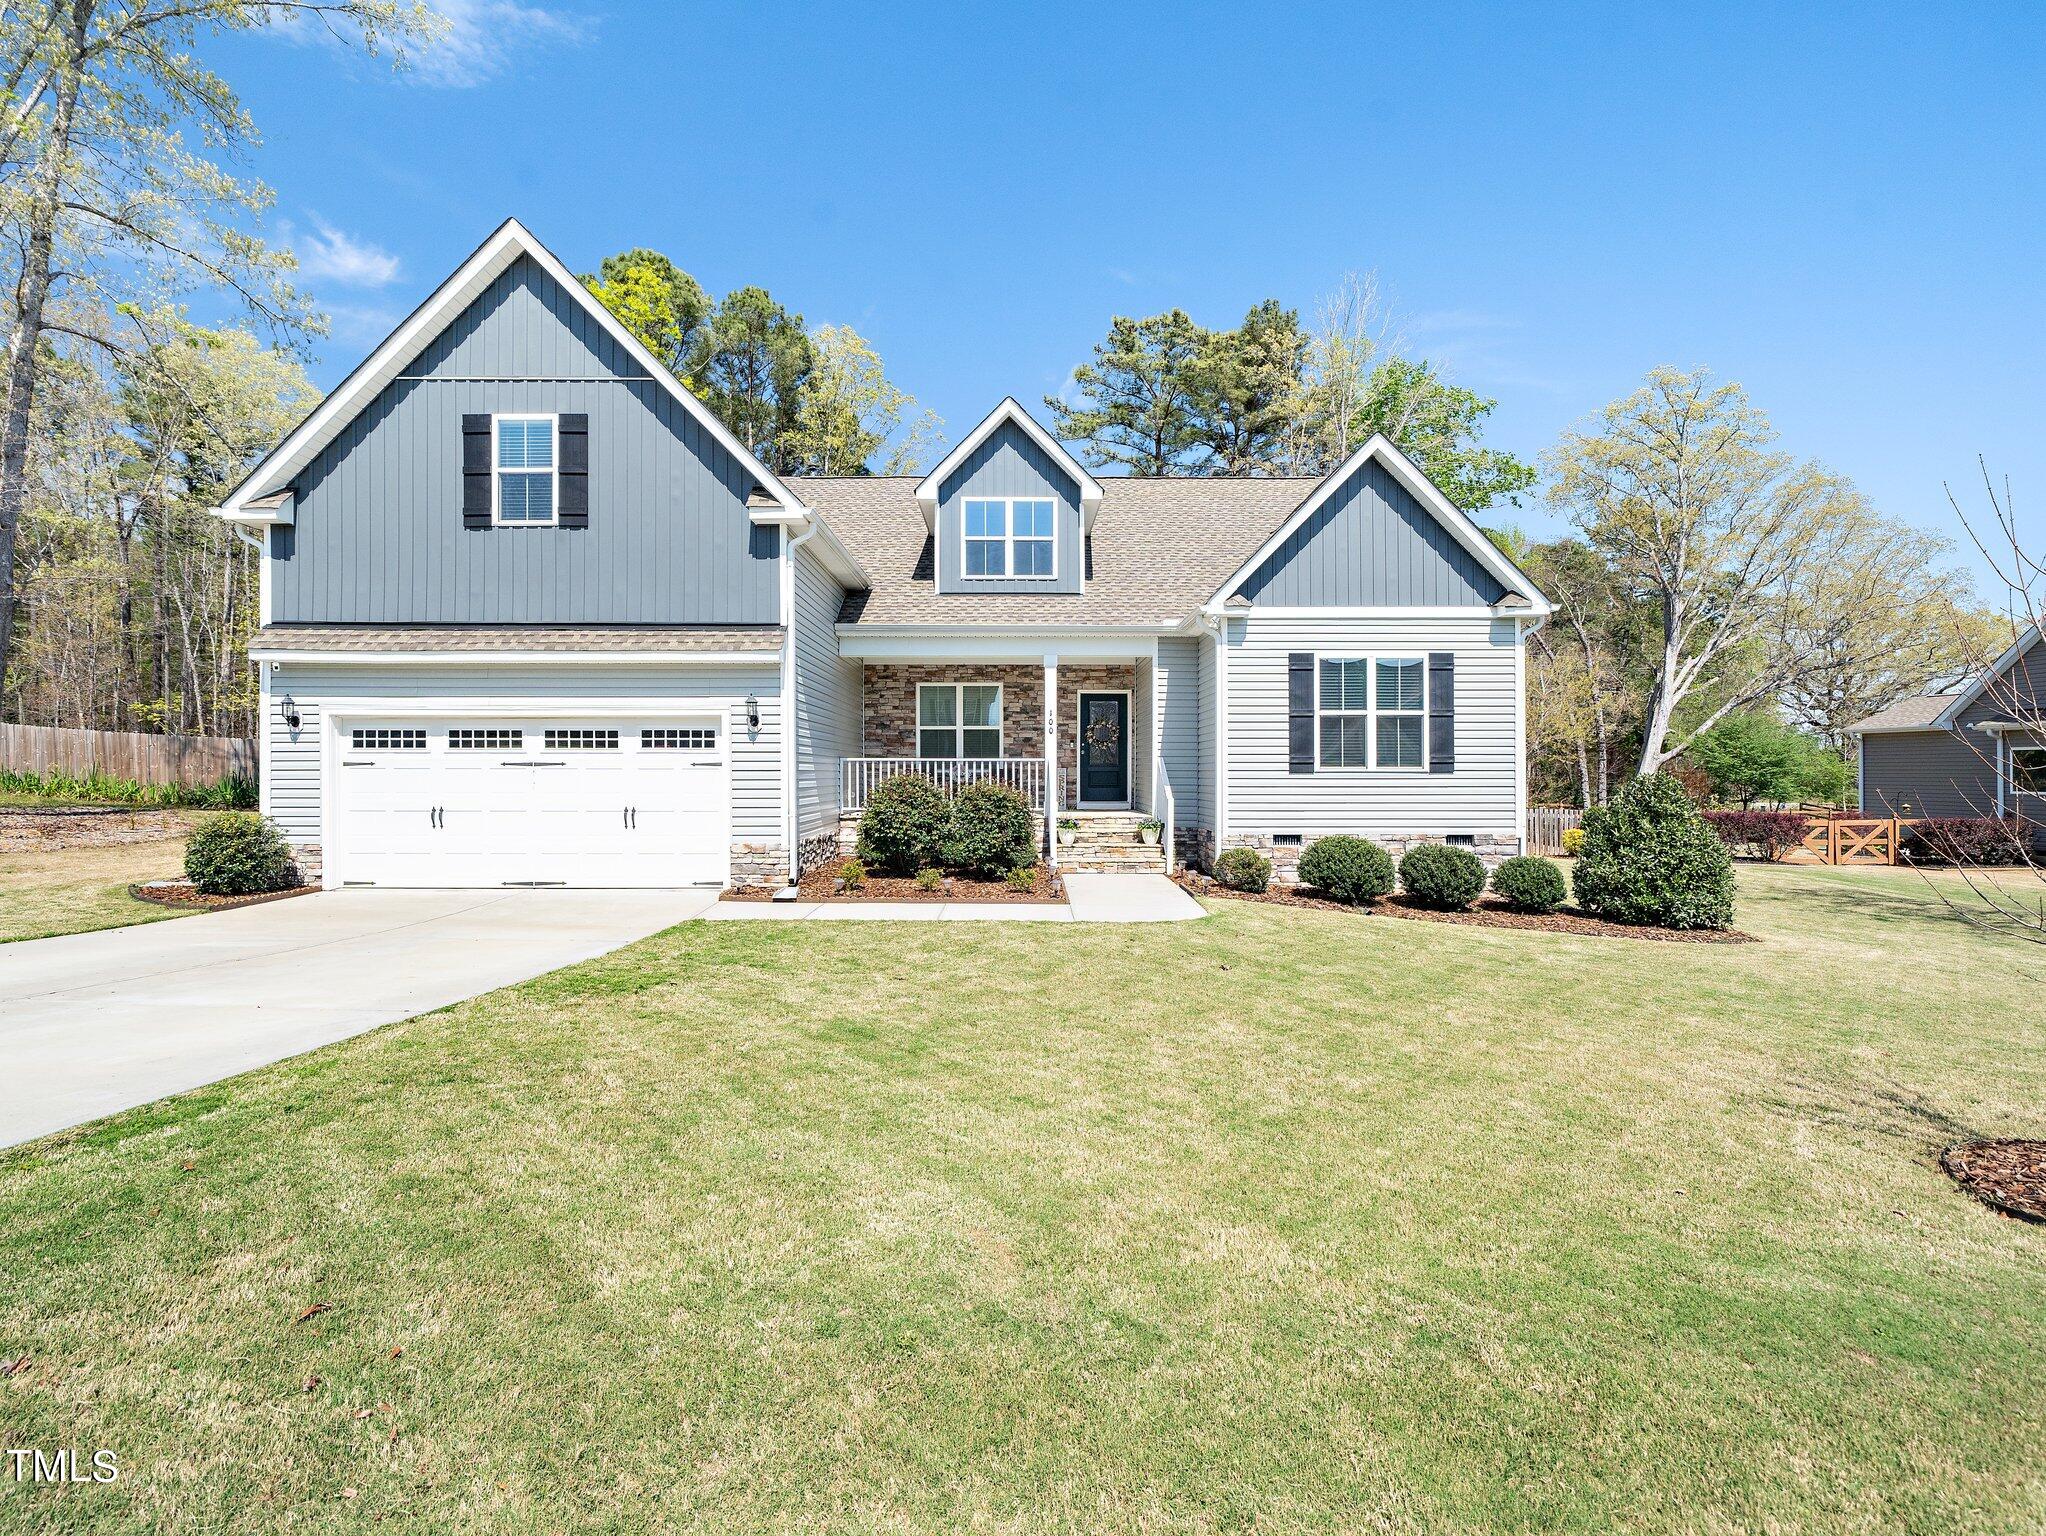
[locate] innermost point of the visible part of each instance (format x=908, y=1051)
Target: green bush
x=1573, y=841
x=992, y=831
x=1649, y=858
x=929, y=878
x=1022, y=878
x=97, y=788
x=1445, y=878
x=233, y=853
x=1244, y=869
x=1352, y=869
x=903, y=826
x=1530, y=885
x=853, y=873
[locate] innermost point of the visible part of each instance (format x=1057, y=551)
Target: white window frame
x=2011, y=752
x=1371, y=712
x=959, y=727
x=553, y=471
x=1009, y=539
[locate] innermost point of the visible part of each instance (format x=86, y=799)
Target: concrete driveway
x=97, y=1022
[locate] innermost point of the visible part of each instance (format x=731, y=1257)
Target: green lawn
x=74, y=890
x=1288, y=1220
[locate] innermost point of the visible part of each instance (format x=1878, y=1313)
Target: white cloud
x=357, y=328
x=339, y=257
x=480, y=38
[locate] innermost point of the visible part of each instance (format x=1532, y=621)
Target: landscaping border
x=194, y=902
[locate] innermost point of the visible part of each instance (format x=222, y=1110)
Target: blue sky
x=1840, y=208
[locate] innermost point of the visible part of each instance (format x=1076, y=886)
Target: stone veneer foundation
x=1286, y=859
x=756, y=866
x=890, y=709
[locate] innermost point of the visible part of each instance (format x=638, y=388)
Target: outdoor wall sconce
x=752, y=713
x=287, y=711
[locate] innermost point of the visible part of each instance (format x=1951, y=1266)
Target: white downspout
x=790, y=543
x=1052, y=798
x=1216, y=623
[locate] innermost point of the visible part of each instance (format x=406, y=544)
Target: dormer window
x=1009, y=537
x=523, y=470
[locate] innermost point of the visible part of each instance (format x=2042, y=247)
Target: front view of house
x=533, y=616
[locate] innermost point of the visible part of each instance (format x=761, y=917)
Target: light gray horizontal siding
x=378, y=536
x=1009, y=464
x=1211, y=718
x=1481, y=796
x=292, y=759
x=1371, y=544
x=828, y=696
x=2020, y=694
x=1179, y=733
x=1143, y=739
x=1928, y=773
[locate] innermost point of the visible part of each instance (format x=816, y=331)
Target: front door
x=1104, y=749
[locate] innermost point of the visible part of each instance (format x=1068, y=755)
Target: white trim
x=861, y=642
x=788, y=542
x=274, y=512
x=1129, y=756
x=1968, y=695
x=1408, y=473
x=1860, y=775
x=959, y=727
x=1054, y=796
x=518, y=658
x=2011, y=749
x=1221, y=735
x=1371, y=712
x=1390, y=611
x=1519, y=734
x=509, y=241
x=1009, y=539
x=552, y=471
x=926, y=492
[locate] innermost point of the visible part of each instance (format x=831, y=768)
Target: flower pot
x=1148, y=834
x=1066, y=837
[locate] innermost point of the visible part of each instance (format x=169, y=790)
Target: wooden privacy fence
x=188, y=760
x=1546, y=825
x=1850, y=840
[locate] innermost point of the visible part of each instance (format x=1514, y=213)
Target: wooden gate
x=1850, y=840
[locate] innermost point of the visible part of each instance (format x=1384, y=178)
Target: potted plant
x=1069, y=829
x=1150, y=831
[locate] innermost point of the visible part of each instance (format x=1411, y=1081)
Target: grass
x=75, y=890
x=1289, y=1220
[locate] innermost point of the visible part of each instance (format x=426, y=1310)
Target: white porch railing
x=859, y=775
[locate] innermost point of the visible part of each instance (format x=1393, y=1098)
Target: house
x=1976, y=751
x=531, y=615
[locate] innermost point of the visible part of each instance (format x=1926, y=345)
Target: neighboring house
x=1977, y=751
x=532, y=615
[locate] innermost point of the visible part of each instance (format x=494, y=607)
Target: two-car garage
x=581, y=800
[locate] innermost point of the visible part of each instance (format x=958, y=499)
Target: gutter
x=792, y=540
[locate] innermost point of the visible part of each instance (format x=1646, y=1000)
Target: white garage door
x=530, y=802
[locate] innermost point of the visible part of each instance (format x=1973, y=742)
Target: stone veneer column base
x=815, y=848
x=1193, y=848
x=758, y=866
x=307, y=857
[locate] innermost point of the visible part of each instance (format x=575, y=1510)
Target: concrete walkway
x=97, y=1022
x=1090, y=898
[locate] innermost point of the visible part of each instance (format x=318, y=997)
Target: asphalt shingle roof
x=1906, y=714
x=1159, y=550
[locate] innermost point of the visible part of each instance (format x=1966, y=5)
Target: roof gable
x=2019, y=648
x=1009, y=412
x=416, y=337
x=1485, y=558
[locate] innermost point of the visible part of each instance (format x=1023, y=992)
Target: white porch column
x=1052, y=798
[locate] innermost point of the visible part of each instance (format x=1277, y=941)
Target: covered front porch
x=1076, y=737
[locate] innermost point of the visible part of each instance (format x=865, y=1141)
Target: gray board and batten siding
x=1371, y=544
x=1008, y=463
x=378, y=535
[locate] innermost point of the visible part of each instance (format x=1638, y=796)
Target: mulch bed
x=1488, y=913
x=180, y=895
x=818, y=885
x=35, y=828
x=2007, y=1176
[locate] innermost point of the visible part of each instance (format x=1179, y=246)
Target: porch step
x=1108, y=841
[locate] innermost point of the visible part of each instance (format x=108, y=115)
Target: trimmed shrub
x=1244, y=869
x=1762, y=834
x=233, y=853
x=1440, y=876
x=929, y=878
x=1353, y=869
x=1649, y=858
x=1573, y=841
x=1963, y=840
x=1528, y=884
x=991, y=831
x=1022, y=878
x=903, y=827
x=853, y=873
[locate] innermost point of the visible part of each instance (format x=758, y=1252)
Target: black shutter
x=1441, y=712
x=476, y=471
x=1300, y=712
x=573, y=433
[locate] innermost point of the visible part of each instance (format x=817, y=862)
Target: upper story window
x=1371, y=712
x=523, y=470
x=1009, y=537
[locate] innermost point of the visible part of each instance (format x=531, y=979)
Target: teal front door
x=1104, y=748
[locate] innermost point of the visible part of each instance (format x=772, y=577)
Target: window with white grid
x=677, y=739
x=486, y=739
x=581, y=739
x=524, y=468
x=380, y=739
